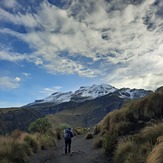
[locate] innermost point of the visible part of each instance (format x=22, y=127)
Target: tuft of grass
x=156, y=156
x=159, y=139
x=98, y=142
x=80, y=131
x=125, y=151
x=89, y=136
x=110, y=142
x=46, y=141
x=16, y=134
x=151, y=133
x=13, y=150
x=32, y=142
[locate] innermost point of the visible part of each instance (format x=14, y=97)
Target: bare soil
x=82, y=152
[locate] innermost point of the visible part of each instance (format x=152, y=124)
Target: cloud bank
x=119, y=41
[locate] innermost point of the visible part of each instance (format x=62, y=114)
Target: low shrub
x=41, y=125
x=46, y=141
x=32, y=142
x=89, y=136
x=16, y=133
x=80, y=130
x=110, y=142
x=98, y=142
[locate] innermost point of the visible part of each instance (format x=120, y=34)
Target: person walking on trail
x=68, y=134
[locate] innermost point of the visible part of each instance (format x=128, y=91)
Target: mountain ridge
x=89, y=93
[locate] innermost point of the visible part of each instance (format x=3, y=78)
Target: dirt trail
x=82, y=152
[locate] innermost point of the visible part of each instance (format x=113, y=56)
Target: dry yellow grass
x=19, y=145
x=156, y=156
x=159, y=139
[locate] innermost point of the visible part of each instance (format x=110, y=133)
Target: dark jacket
x=68, y=134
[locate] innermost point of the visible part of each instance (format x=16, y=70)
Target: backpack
x=67, y=134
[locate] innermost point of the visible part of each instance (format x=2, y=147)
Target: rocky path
x=82, y=152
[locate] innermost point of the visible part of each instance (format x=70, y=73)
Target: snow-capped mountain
x=94, y=91
x=132, y=93
x=91, y=92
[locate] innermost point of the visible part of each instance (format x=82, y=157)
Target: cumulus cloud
x=7, y=82
x=124, y=37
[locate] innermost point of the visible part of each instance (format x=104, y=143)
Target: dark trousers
x=67, y=145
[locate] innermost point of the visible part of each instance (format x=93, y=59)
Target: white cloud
x=38, y=61
x=17, y=79
x=28, y=19
x=9, y=3
x=9, y=82
x=26, y=74
x=49, y=91
x=11, y=56
x=125, y=36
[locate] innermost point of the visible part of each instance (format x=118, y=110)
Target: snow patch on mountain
x=132, y=93
x=92, y=92
x=58, y=97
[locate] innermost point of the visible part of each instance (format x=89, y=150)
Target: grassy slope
x=134, y=115
x=135, y=131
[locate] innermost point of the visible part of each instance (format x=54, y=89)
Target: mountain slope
x=135, y=114
x=88, y=113
x=89, y=93
x=86, y=106
x=17, y=118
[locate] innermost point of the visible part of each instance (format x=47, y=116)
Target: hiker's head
x=69, y=128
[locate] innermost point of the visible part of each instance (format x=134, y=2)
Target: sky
x=48, y=46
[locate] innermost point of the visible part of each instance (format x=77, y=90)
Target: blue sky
x=60, y=45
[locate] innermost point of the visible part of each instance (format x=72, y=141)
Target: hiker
x=68, y=135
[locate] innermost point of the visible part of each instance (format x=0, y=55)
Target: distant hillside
x=16, y=118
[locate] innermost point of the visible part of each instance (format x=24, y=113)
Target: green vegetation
x=41, y=126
